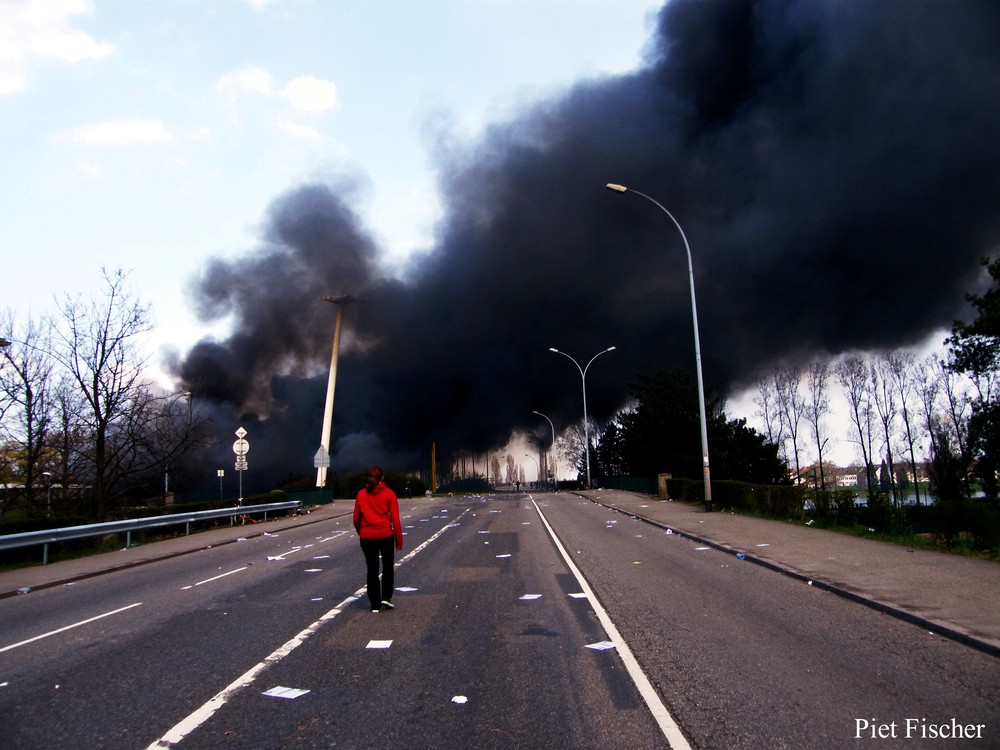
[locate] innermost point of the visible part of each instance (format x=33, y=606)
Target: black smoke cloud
x=836, y=169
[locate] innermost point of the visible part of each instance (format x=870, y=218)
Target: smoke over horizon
x=834, y=167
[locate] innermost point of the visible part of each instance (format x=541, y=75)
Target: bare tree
x=887, y=408
x=766, y=401
x=98, y=344
x=958, y=411
x=928, y=384
x=25, y=383
x=817, y=407
x=791, y=407
x=852, y=373
x=495, y=470
x=903, y=374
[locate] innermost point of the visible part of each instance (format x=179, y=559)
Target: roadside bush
x=847, y=511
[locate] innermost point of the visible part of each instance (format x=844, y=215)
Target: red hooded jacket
x=376, y=514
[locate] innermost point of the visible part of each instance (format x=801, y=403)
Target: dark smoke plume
x=835, y=166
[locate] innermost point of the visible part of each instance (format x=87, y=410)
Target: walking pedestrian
x=376, y=519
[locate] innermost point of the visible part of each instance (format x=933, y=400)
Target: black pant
x=375, y=549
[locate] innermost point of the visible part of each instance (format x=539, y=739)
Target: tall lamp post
x=554, y=469
x=538, y=468
x=583, y=377
x=323, y=455
x=697, y=341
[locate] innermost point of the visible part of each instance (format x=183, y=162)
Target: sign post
x=241, y=447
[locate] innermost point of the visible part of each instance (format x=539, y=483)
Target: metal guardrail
x=50, y=536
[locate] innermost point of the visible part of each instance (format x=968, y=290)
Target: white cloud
x=305, y=93
x=298, y=131
x=38, y=29
x=90, y=169
x=253, y=80
x=120, y=133
x=312, y=94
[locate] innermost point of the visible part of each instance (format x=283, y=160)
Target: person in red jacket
x=376, y=519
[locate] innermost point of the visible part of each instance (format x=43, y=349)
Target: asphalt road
x=491, y=645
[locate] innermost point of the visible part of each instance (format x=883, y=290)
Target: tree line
x=897, y=404
x=82, y=426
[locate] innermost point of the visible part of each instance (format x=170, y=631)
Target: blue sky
x=152, y=136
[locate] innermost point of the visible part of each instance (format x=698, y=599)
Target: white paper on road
x=579, y=595
x=529, y=597
x=501, y=556
x=314, y=570
x=405, y=589
x=601, y=645
x=459, y=699
x=284, y=692
x=701, y=549
x=378, y=644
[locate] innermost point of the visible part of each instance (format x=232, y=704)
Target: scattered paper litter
x=314, y=570
x=268, y=533
x=499, y=556
x=284, y=692
x=321, y=557
x=527, y=597
x=764, y=545
x=601, y=645
x=579, y=595
x=405, y=589
x=484, y=532
x=378, y=644
x=459, y=699
x=701, y=549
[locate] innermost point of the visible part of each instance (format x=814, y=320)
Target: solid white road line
x=187, y=725
x=68, y=627
x=668, y=726
x=214, y=578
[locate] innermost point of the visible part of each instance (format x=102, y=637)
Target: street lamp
x=554, y=469
x=322, y=459
x=538, y=468
x=583, y=377
x=697, y=341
